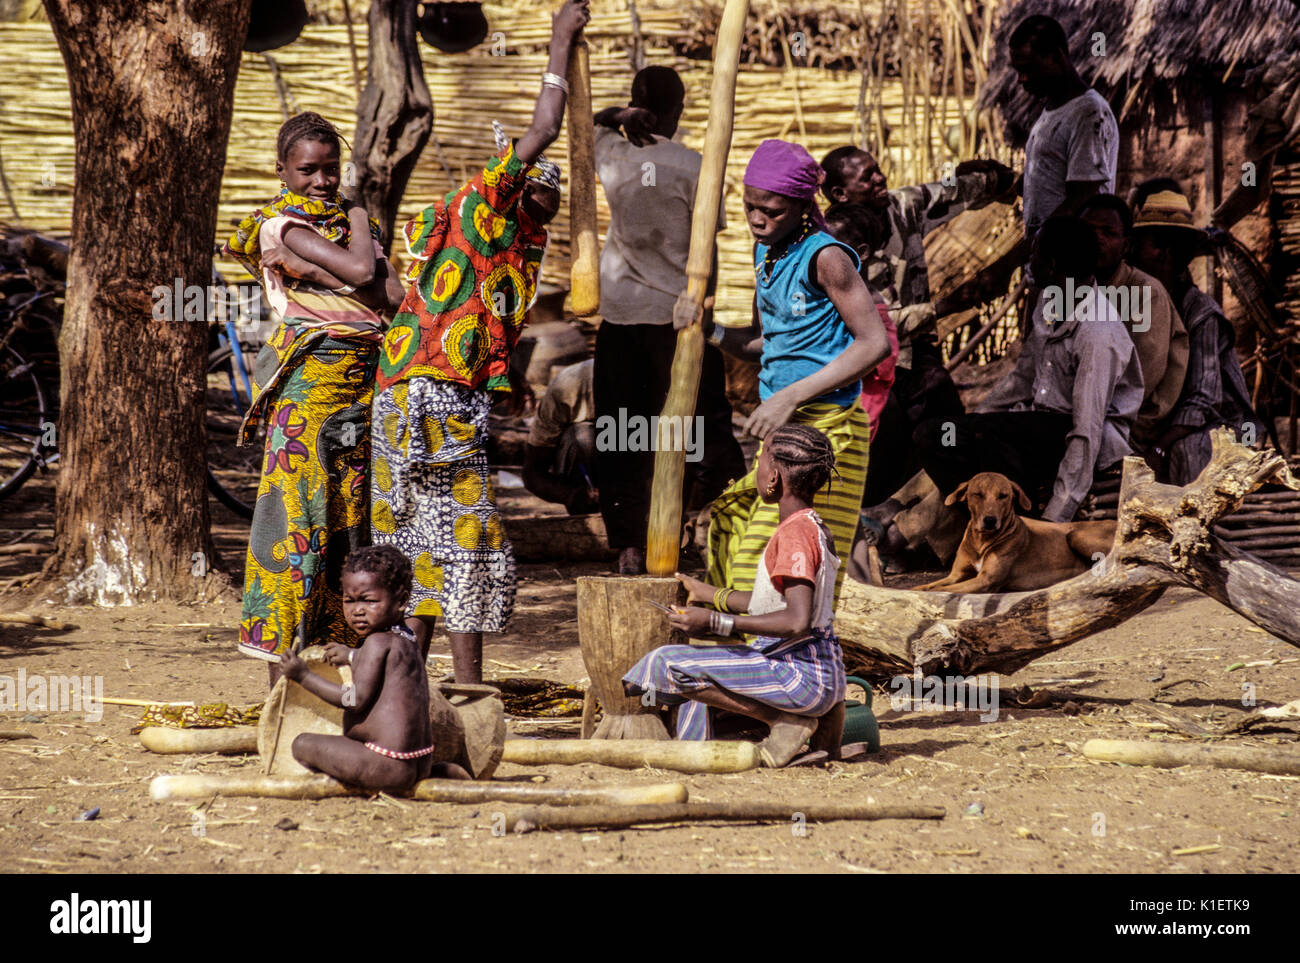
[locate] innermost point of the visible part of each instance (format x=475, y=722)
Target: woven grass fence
x=820, y=108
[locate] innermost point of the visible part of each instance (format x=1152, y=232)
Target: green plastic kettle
x=859, y=721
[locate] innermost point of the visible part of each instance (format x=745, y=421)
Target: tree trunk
x=1163, y=539
x=394, y=115
x=152, y=85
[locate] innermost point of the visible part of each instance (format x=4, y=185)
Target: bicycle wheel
x=23, y=416
x=233, y=472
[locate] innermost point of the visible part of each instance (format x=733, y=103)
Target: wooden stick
x=635, y=753
x=279, y=724
x=978, y=337
x=235, y=740
x=619, y=817
x=584, y=268
x=117, y=701
x=15, y=734
x=22, y=618
x=195, y=786
x=22, y=548
x=1168, y=755
x=663, y=537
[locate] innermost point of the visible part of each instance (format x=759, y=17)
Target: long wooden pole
x=1169, y=755
x=619, y=817
x=663, y=539
x=708, y=756
x=584, y=270
x=201, y=786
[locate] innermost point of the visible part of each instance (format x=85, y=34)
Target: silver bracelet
x=555, y=80
x=720, y=624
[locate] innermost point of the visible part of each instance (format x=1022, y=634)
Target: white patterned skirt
x=431, y=496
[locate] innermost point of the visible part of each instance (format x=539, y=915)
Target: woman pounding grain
x=476, y=256
x=816, y=333
x=327, y=280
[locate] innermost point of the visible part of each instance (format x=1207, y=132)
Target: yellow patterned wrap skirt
x=311, y=507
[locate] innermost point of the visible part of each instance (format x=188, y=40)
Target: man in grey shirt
x=649, y=180
x=1067, y=408
x=1073, y=147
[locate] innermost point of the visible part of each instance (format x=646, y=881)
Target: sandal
x=785, y=740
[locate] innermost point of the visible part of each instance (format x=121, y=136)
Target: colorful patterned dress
x=314, y=383
x=477, y=256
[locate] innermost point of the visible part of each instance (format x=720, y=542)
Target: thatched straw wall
x=816, y=107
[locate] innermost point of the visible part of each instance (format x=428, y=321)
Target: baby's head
x=376, y=587
x=796, y=460
x=308, y=150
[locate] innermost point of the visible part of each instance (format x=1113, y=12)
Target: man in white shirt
x=649, y=181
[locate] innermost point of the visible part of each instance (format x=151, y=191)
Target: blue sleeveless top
x=802, y=330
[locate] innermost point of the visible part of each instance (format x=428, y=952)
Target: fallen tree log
x=747, y=811
x=1163, y=539
x=1169, y=755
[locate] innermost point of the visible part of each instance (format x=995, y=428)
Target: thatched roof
x=1205, y=44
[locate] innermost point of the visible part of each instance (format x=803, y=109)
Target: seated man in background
x=559, y=456
x=1146, y=310
x=1214, y=393
x=1068, y=407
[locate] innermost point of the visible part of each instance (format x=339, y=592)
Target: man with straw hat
x=1165, y=241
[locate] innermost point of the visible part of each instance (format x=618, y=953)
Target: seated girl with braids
x=791, y=675
x=387, y=740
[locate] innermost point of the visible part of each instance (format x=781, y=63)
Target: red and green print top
x=476, y=258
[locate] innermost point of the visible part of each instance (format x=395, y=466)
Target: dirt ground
x=1018, y=793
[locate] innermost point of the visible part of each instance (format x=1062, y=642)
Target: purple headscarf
x=787, y=169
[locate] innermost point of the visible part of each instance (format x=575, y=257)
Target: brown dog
x=1002, y=552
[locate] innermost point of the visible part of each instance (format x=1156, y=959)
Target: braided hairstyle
x=805, y=457
x=308, y=125
x=386, y=563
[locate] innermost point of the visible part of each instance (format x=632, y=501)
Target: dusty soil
x=1019, y=795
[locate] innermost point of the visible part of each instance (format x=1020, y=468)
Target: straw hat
x=1166, y=209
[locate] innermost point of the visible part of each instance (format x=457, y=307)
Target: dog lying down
x=1002, y=552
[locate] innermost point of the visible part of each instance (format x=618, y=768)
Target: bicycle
x=233, y=472
x=28, y=411
x=29, y=388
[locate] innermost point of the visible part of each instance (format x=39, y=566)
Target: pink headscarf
x=787, y=169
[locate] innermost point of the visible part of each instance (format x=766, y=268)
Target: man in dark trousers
x=649, y=181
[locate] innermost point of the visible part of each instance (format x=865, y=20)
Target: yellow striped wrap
x=740, y=523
